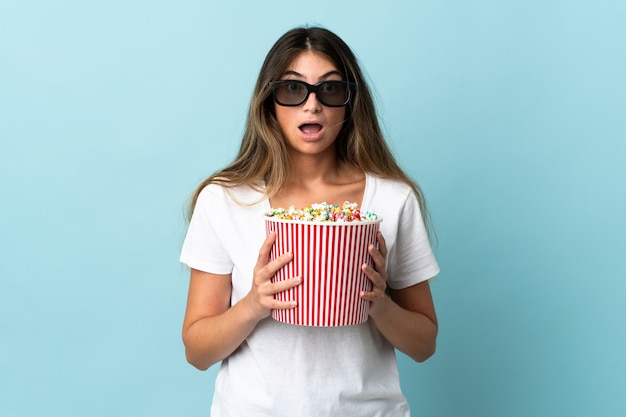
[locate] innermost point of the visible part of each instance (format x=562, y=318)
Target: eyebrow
x=328, y=74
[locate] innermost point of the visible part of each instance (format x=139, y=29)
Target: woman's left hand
x=378, y=275
x=406, y=317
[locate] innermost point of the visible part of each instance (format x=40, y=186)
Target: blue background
x=511, y=115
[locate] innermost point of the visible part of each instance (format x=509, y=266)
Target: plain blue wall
x=510, y=114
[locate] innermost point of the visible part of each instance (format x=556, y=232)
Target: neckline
x=369, y=185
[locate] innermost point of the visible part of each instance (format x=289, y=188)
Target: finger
x=280, y=286
x=270, y=301
x=377, y=257
x=378, y=280
x=264, y=265
x=368, y=295
x=382, y=244
x=283, y=305
x=266, y=248
x=273, y=266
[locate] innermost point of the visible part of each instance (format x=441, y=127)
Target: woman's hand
x=406, y=317
x=260, y=299
x=378, y=275
x=212, y=328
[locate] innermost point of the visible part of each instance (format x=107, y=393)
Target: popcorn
x=323, y=212
x=329, y=245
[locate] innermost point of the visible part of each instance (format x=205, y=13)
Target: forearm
x=413, y=333
x=212, y=339
x=212, y=329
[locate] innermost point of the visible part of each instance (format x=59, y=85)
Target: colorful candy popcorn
x=323, y=212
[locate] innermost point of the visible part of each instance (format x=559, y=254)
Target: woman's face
x=311, y=128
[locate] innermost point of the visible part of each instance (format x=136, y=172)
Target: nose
x=312, y=104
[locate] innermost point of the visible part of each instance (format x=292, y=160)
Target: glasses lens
x=294, y=93
x=291, y=93
x=333, y=93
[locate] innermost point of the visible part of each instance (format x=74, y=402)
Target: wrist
x=252, y=312
x=380, y=308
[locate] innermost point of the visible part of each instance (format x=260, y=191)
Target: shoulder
x=392, y=199
x=389, y=189
x=237, y=195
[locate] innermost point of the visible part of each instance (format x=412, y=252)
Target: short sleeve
x=411, y=260
x=202, y=248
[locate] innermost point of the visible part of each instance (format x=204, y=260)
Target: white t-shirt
x=287, y=370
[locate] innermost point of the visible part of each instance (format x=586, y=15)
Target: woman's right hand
x=260, y=299
x=212, y=328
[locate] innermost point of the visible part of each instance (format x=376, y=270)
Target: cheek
x=282, y=116
x=338, y=117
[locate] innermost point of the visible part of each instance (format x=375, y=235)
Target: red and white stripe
x=328, y=257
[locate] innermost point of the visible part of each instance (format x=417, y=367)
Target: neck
x=317, y=179
x=312, y=169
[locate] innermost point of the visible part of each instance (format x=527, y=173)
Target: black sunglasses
x=294, y=92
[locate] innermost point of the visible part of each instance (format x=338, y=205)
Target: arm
x=405, y=317
x=212, y=330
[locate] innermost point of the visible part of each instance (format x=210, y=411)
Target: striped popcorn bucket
x=328, y=256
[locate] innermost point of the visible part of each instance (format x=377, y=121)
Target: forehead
x=310, y=63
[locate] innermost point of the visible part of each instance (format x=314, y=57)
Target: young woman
x=312, y=136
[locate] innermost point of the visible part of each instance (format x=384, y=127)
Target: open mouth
x=310, y=128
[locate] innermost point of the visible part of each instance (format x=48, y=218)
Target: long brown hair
x=263, y=162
